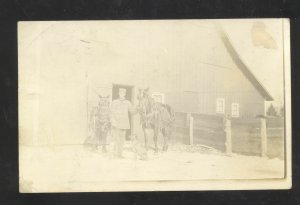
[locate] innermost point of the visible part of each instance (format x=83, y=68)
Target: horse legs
x=156, y=131
x=145, y=137
x=166, y=134
x=104, y=137
x=97, y=138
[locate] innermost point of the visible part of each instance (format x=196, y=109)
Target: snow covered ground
x=64, y=165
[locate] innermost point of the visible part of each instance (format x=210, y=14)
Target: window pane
x=235, y=110
x=220, y=105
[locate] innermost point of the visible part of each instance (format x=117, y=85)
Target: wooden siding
x=203, y=87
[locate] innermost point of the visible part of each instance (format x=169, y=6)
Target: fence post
x=191, y=125
x=228, y=142
x=263, y=133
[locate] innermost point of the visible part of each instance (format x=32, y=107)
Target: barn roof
x=243, y=67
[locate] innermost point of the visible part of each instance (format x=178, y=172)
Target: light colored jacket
x=120, y=113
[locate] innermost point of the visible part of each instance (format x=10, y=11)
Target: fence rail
x=246, y=138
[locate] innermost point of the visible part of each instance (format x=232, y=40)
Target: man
x=120, y=109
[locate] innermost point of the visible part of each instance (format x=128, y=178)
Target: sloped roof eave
x=241, y=65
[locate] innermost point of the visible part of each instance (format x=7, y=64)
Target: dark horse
x=156, y=116
x=99, y=124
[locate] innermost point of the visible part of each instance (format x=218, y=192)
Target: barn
x=195, y=69
x=219, y=83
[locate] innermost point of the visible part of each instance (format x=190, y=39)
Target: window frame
x=161, y=95
x=235, y=109
x=220, y=110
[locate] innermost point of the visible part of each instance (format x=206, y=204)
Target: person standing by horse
x=120, y=109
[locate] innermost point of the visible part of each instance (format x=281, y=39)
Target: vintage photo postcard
x=154, y=105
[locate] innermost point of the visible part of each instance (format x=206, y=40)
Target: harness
x=100, y=117
x=155, y=113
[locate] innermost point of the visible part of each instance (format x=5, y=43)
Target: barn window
x=158, y=97
x=220, y=105
x=235, y=110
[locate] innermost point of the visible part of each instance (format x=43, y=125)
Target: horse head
x=144, y=100
x=143, y=93
x=104, y=100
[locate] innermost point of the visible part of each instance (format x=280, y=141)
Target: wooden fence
x=246, y=138
x=207, y=130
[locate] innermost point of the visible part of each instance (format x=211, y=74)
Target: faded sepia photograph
x=154, y=105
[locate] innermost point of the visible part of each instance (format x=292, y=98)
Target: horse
x=99, y=123
x=156, y=116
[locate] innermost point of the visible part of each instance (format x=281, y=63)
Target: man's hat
x=122, y=89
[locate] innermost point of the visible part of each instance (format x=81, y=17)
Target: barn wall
x=228, y=83
x=58, y=85
x=70, y=106
x=182, y=101
x=198, y=84
x=63, y=114
x=239, y=89
x=199, y=90
x=67, y=68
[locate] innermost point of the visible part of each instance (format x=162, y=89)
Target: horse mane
x=147, y=103
x=152, y=106
x=167, y=107
x=156, y=110
x=170, y=111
